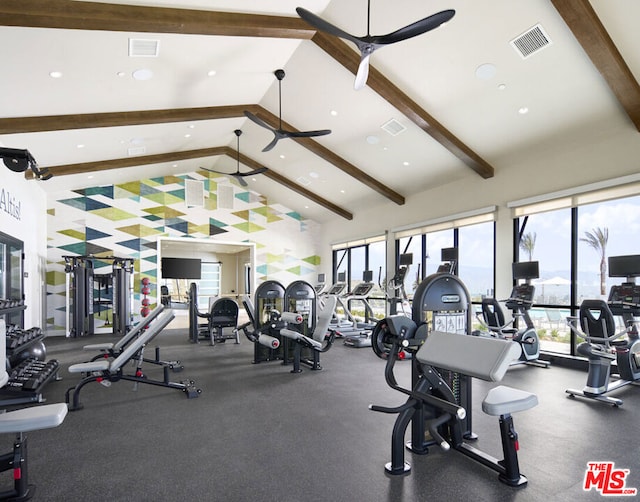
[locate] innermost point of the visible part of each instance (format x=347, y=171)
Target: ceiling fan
x=238, y=175
x=369, y=43
x=280, y=133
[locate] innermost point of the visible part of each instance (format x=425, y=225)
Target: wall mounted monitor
x=181, y=268
x=526, y=270
x=624, y=266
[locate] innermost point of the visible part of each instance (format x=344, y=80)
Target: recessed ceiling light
x=55, y=74
x=90, y=176
x=174, y=165
x=334, y=113
x=211, y=73
x=191, y=126
x=306, y=207
x=143, y=74
x=485, y=71
x=373, y=140
x=121, y=74
x=281, y=156
x=502, y=87
x=187, y=135
x=314, y=175
x=405, y=163
x=341, y=191
x=136, y=141
x=523, y=111
x=80, y=146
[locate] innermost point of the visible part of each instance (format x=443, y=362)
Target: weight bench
x=487, y=359
x=319, y=342
x=19, y=422
x=105, y=370
x=112, y=350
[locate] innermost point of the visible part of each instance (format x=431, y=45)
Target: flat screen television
x=406, y=259
x=449, y=254
x=181, y=268
x=526, y=270
x=624, y=266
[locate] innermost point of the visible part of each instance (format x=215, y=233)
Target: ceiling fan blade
x=258, y=121
x=273, y=143
x=307, y=134
x=255, y=172
x=240, y=180
x=417, y=28
x=363, y=72
x=322, y=25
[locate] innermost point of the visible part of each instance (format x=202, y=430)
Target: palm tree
x=598, y=239
x=528, y=243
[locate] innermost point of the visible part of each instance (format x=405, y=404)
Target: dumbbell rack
x=27, y=379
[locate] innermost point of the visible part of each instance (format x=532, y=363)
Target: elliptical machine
x=602, y=345
x=519, y=302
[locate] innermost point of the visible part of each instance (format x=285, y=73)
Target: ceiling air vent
x=393, y=127
x=531, y=41
x=143, y=48
x=303, y=181
x=136, y=150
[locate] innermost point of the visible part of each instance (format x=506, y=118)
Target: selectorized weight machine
x=91, y=294
x=445, y=358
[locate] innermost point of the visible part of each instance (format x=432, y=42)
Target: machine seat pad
x=104, y=347
x=476, y=356
x=299, y=337
x=33, y=419
x=502, y=400
x=99, y=365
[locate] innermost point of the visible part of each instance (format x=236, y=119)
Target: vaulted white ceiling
x=459, y=121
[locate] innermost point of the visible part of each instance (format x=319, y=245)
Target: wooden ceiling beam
x=583, y=21
x=18, y=125
x=350, y=59
x=66, y=14
x=15, y=125
x=128, y=162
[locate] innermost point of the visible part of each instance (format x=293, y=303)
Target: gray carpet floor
x=259, y=433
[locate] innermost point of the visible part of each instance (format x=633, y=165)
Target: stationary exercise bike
x=602, y=345
x=519, y=302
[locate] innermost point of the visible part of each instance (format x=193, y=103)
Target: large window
x=476, y=259
x=572, y=245
x=353, y=260
x=475, y=246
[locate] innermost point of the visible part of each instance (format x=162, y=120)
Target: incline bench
x=112, y=370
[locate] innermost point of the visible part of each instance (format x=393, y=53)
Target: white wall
x=23, y=206
x=537, y=172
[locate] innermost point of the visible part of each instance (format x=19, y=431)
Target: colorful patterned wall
x=126, y=221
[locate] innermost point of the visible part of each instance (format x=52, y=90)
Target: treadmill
x=358, y=334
